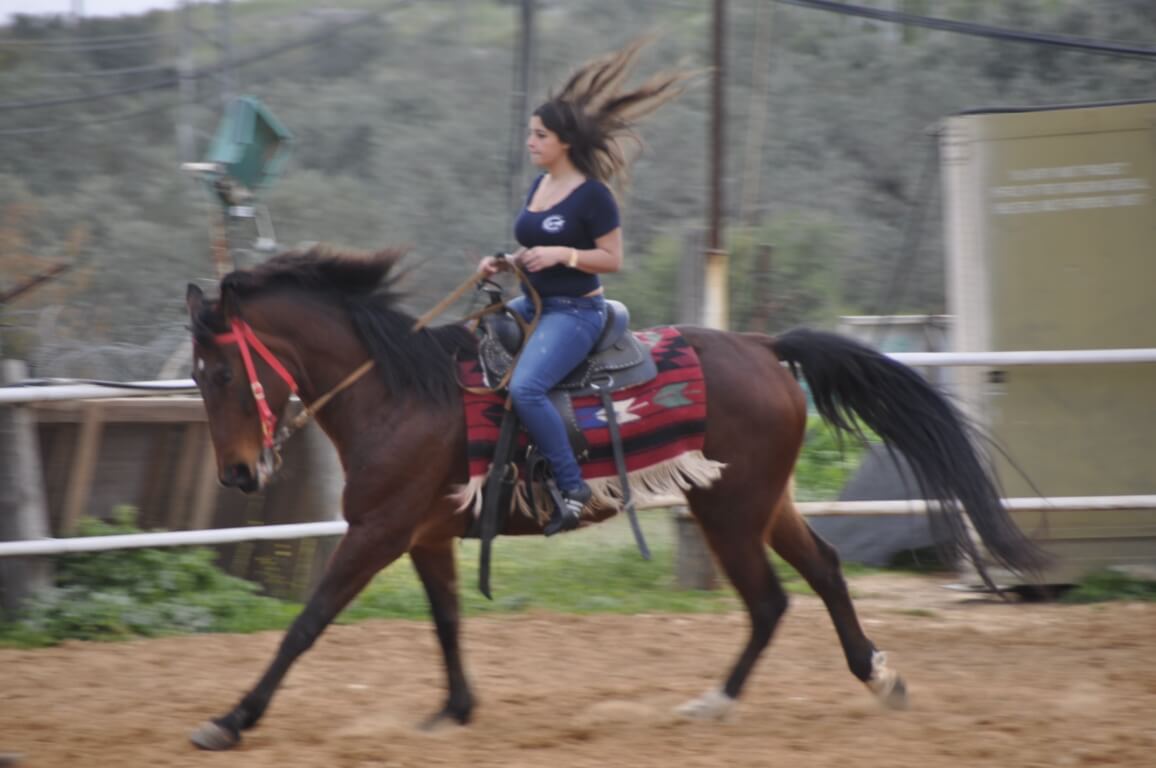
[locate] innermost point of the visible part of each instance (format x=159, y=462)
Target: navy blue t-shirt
x=587, y=213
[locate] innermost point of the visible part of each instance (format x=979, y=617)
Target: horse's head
x=242, y=389
x=322, y=313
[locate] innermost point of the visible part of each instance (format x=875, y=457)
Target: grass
x=1108, y=585
x=597, y=570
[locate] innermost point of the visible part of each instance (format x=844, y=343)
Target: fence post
x=309, y=489
x=23, y=512
x=694, y=566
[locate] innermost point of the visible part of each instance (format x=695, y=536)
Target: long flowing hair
x=596, y=117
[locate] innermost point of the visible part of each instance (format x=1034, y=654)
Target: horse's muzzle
x=241, y=477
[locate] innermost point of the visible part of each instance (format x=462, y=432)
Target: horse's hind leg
x=435, y=566
x=362, y=553
x=818, y=563
x=743, y=557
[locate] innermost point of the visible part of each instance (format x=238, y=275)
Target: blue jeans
x=564, y=337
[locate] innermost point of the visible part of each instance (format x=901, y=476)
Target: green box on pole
x=251, y=145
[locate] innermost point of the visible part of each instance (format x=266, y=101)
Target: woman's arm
x=604, y=258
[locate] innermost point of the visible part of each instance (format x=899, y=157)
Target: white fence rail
x=54, y=390
x=60, y=390
x=47, y=392
x=38, y=547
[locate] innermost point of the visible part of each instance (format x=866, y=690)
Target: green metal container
x=251, y=145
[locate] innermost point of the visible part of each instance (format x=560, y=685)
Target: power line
x=112, y=42
x=101, y=120
x=30, y=131
x=171, y=81
x=102, y=72
x=978, y=30
x=168, y=82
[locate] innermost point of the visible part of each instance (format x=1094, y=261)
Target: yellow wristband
x=573, y=258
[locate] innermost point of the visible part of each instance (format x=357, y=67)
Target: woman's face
x=544, y=145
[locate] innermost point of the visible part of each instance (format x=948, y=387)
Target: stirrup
x=568, y=508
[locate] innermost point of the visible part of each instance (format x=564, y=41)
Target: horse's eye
x=222, y=376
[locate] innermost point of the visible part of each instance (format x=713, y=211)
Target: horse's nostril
x=237, y=476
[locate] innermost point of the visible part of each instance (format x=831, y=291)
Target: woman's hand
x=543, y=257
x=491, y=265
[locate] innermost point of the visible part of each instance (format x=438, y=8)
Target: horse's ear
x=228, y=302
x=194, y=299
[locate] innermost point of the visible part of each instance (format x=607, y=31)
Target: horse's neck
x=324, y=350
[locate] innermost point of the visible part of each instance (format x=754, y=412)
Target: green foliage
x=597, y=570
x=1110, y=584
x=826, y=463
x=781, y=272
x=649, y=283
x=402, y=133
x=149, y=592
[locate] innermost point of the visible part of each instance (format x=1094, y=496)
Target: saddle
x=617, y=361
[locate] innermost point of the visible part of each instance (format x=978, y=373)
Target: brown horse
x=305, y=321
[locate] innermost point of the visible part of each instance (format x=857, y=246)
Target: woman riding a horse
x=570, y=234
x=311, y=323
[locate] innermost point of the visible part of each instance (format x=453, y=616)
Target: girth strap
x=497, y=494
x=624, y=481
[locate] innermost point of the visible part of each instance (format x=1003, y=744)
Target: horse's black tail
x=853, y=383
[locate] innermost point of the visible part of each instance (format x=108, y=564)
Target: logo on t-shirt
x=553, y=224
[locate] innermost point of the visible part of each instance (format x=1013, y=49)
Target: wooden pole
x=23, y=511
x=83, y=468
x=716, y=309
x=694, y=564
x=520, y=108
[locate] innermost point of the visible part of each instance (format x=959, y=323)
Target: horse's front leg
x=435, y=565
x=365, y=550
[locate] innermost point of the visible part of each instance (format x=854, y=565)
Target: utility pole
x=694, y=567
x=221, y=39
x=225, y=46
x=757, y=119
x=187, y=87
x=715, y=304
x=519, y=109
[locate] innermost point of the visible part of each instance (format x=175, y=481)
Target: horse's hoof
x=444, y=719
x=897, y=697
x=214, y=737
x=886, y=683
x=712, y=705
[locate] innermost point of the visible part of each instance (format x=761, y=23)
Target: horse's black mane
x=363, y=285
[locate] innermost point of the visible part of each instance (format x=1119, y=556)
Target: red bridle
x=242, y=335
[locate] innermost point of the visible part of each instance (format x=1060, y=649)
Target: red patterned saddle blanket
x=662, y=423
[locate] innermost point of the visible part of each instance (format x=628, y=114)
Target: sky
x=87, y=7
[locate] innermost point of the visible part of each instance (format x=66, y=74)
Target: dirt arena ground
x=991, y=684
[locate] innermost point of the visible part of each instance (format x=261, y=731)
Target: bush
x=826, y=462
x=139, y=592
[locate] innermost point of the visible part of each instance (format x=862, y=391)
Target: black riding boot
x=568, y=510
